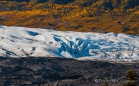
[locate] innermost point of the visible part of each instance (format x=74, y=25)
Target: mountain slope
x=118, y=16
x=106, y=3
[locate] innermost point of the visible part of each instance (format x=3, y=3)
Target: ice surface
x=34, y=42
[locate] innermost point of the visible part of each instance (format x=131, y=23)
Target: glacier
x=36, y=42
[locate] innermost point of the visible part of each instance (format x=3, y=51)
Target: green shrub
x=131, y=78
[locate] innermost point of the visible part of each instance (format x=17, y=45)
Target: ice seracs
x=34, y=42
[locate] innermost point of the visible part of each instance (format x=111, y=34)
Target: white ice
x=36, y=42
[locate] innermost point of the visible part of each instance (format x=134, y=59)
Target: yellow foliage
x=137, y=12
x=66, y=17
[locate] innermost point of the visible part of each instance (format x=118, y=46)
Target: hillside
x=109, y=3
x=118, y=16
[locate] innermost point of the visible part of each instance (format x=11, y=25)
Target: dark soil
x=61, y=72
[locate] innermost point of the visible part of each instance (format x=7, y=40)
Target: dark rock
x=65, y=72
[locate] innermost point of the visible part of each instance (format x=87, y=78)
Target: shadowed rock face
x=63, y=1
x=43, y=1
x=64, y=72
x=35, y=1
x=19, y=0
x=105, y=4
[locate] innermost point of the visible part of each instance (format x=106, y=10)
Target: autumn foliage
x=100, y=16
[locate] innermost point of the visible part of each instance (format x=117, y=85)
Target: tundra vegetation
x=118, y=16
